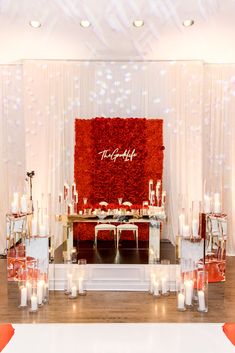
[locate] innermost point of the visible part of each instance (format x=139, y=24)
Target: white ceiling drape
x=185, y=94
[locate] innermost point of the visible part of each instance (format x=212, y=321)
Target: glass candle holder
x=34, y=299
x=40, y=292
x=181, y=296
x=151, y=282
x=23, y=295
x=181, y=301
x=29, y=287
x=188, y=282
x=151, y=255
x=81, y=286
x=164, y=278
x=81, y=276
x=44, y=278
x=156, y=288
x=188, y=290
x=74, y=255
x=42, y=283
x=202, y=291
x=73, y=291
x=164, y=286
x=68, y=283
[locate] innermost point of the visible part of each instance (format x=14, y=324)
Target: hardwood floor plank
x=118, y=307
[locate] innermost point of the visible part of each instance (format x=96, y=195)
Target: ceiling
x=112, y=35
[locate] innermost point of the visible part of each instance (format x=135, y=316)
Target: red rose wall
x=103, y=173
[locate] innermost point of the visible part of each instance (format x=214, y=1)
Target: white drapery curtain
x=219, y=139
x=12, y=152
x=55, y=92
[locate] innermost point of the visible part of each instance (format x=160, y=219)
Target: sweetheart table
x=68, y=221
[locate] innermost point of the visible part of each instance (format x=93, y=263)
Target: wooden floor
x=121, y=307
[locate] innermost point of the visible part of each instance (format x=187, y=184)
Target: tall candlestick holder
x=202, y=291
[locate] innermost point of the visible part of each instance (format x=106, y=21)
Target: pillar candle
x=34, y=303
x=46, y=223
x=15, y=203
x=158, y=186
x=156, y=288
x=23, y=296
x=217, y=207
x=14, y=207
x=42, y=230
x=195, y=227
x=186, y=230
x=163, y=198
x=181, y=299
x=29, y=289
x=216, y=197
x=40, y=289
x=181, y=223
x=23, y=204
x=201, y=300
x=34, y=227
x=73, y=291
x=188, y=287
x=217, y=204
x=16, y=197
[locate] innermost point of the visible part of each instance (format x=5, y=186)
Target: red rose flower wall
x=116, y=157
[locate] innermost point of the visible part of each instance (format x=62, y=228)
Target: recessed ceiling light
x=138, y=23
x=35, y=24
x=85, y=23
x=188, y=23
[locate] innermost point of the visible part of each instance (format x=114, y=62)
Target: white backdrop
x=195, y=100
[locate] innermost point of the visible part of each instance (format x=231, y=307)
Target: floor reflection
x=127, y=253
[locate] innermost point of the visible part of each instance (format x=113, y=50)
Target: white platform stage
x=113, y=277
